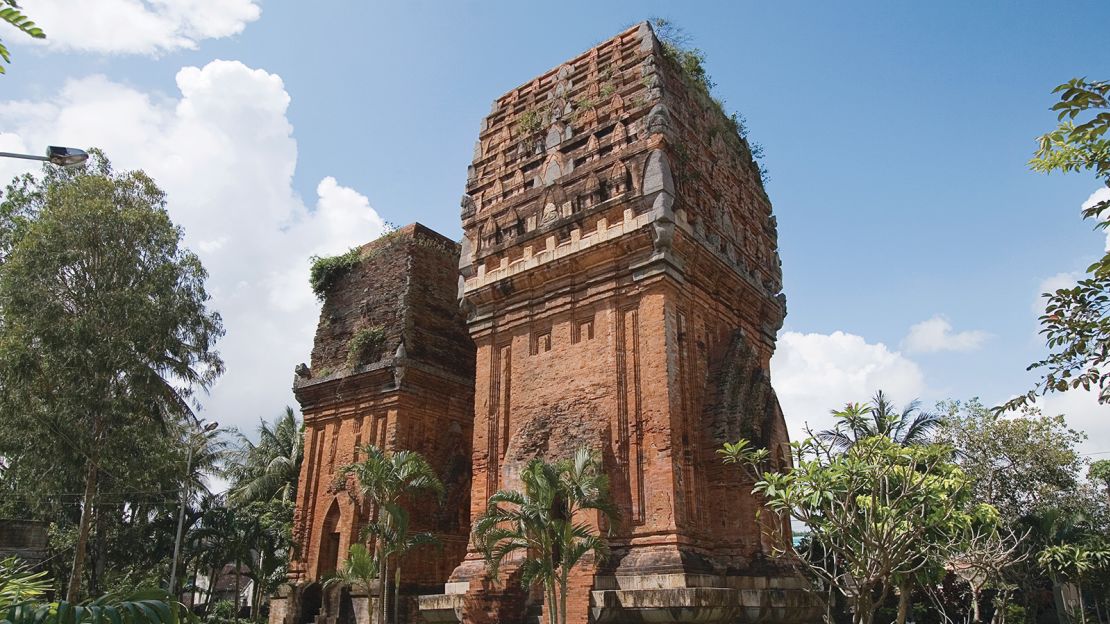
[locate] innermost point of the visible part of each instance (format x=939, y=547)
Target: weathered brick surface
x=621, y=286
x=416, y=393
x=623, y=290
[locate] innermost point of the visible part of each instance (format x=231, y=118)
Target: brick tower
x=622, y=285
x=392, y=366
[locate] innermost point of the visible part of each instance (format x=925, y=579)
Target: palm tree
x=269, y=470
x=383, y=480
x=393, y=531
x=360, y=567
x=879, y=417
x=540, y=524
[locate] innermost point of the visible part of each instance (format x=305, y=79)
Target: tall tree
x=383, y=480
x=269, y=469
x=548, y=523
x=1076, y=321
x=880, y=417
x=1020, y=465
x=104, y=319
x=1099, y=472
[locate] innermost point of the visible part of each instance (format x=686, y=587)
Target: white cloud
x=223, y=151
x=1100, y=195
x=815, y=373
x=1083, y=413
x=935, y=334
x=1050, y=285
x=149, y=27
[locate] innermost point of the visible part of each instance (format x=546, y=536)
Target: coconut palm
x=539, y=523
x=269, y=469
x=879, y=417
x=382, y=481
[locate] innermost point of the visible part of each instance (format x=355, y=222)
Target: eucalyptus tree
x=383, y=481
x=546, y=523
x=104, y=316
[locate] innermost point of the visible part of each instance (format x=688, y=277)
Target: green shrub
x=530, y=121
x=365, y=346
x=327, y=270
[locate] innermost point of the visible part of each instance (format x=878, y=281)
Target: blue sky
x=896, y=135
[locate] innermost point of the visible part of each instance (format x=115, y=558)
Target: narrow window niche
x=583, y=330
x=541, y=342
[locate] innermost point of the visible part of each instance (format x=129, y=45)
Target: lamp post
x=185, y=493
x=61, y=156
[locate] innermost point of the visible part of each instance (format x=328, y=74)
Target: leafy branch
x=13, y=16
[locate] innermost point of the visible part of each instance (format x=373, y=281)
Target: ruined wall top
x=579, y=155
x=398, y=301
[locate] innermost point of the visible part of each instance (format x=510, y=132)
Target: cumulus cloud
x=149, y=27
x=223, y=151
x=1100, y=195
x=935, y=334
x=1051, y=285
x=815, y=373
x=1082, y=412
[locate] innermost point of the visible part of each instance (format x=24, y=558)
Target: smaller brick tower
x=393, y=366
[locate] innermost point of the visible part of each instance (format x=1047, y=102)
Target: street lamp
x=185, y=493
x=61, y=156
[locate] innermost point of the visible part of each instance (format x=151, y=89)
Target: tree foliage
x=1076, y=322
x=548, y=523
x=105, y=330
x=11, y=14
x=1027, y=467
x=269, y=469
x=1020, y=465
x=879, y=417
x=21, y=591
x=879, y=514
x=383, y=481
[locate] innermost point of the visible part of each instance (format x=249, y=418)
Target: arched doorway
x=311, y=601
x=328, y=559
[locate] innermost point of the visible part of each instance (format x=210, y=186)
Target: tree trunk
x=563, y=601
x=550, y=603
x=74, y=591
x=193, y=588
x=1082, y=606
x=257, y=593
x=904, y=603
x=397, y=593
x=238, y=577
x=99, y=550
x=383, y=576
x=975, y=615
